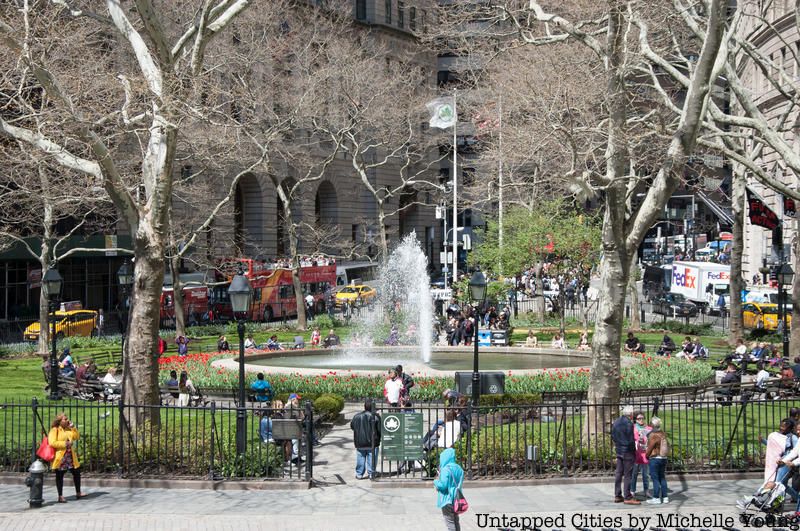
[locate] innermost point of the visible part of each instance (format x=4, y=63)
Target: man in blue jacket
x=447, y=484
x=622, y=435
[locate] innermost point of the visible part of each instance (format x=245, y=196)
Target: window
x=388, y=11
x=401, y=14
x=412, y=18
x=361, y=9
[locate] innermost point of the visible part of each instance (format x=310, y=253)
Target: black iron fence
x=150, y=441
x=707, y=434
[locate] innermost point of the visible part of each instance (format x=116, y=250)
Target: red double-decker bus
x=273, y=291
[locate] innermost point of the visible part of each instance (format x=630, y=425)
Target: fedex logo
x=721, y=275
x=684, y=279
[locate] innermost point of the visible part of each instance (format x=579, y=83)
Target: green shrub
x=325, y=322
x=17, y=349
x=680, y=327
x=511, y=399
x=328, y=406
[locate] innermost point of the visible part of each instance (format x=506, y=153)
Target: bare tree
x=49, y=205
x=121, y=131
x=616, y=34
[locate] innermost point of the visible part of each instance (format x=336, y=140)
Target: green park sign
x=401, y=436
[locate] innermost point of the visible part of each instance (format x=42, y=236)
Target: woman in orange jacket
x=61, y=437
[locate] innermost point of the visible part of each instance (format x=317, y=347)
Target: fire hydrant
x=36, y=482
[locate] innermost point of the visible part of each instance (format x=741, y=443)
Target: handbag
x=45, y=451
x=460, y=504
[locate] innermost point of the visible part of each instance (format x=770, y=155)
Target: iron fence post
x=744, y=428
x=34, y=405
x=309, y=440
x=564, y=433
x=121, y=456
x=213, y=435
x=469, y=441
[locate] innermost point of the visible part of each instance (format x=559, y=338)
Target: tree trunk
x=298, y=287
x=737, y=281
x=636, y=321
x=177, y=294
x=44, y=304
x=384, y=239
x=140, y=358
x=605, y=373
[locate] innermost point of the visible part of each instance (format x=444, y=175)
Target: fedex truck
x=702, y=283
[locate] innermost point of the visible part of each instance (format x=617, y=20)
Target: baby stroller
x=768, y=499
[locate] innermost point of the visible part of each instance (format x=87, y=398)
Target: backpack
x=663, y=448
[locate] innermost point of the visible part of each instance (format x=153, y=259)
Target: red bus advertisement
x=273, y=291
x=195, y=305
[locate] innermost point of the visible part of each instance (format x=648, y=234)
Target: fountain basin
x=444, y=360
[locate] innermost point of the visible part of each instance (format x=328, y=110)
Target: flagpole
x=455, y=192
x=500, y=184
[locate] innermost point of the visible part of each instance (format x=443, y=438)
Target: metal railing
x=188, y=442
x=707, y=433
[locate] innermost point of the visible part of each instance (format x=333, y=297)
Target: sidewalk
x=359, y=505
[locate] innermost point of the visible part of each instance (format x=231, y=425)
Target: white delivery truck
x=702, y=283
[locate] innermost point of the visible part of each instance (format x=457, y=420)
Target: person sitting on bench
x=262, y=389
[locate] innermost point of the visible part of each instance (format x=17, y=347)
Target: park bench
x=87, y=390
x=649, y=393
x=103, y=360
x=552, y=397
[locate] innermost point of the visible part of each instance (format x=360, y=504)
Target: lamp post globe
x=477, y=291
x=239, y=292
x=51, y=285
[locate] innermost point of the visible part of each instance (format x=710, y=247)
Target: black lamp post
x=239, y=292
x=477, y=291
x=51, y=285
x=125, y=281
x=785, y=277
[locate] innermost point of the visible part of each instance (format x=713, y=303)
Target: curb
x=534, y=482
x=8, y=478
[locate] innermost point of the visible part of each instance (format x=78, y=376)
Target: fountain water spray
x=403, y=304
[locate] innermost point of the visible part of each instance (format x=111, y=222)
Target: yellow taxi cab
x=69, y=323
x=763, y=316
x=355, y=294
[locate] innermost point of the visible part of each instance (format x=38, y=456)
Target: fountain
x=403, y=310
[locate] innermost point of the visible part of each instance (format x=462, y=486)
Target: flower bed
x=649, y=372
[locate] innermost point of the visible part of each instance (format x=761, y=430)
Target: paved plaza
x=359, y=505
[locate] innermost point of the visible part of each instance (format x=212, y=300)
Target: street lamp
x=51, y=285
x=125, y=281
x=239, y=292
x=785, y=277
x=477, y=291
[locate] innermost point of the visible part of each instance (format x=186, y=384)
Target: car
x=437, y=282
x=762, y=316
x=356, y=294
x=674, y=305
x=69, y=323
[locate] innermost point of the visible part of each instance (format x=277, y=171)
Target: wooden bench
x=649, y=393
x=556, y=397
x=88, y=389
x=103, y=360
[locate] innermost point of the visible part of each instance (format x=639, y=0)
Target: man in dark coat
x=625, y=446
x=366, y=427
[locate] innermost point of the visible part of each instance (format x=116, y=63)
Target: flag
x=443, y=112
x=760, y=214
